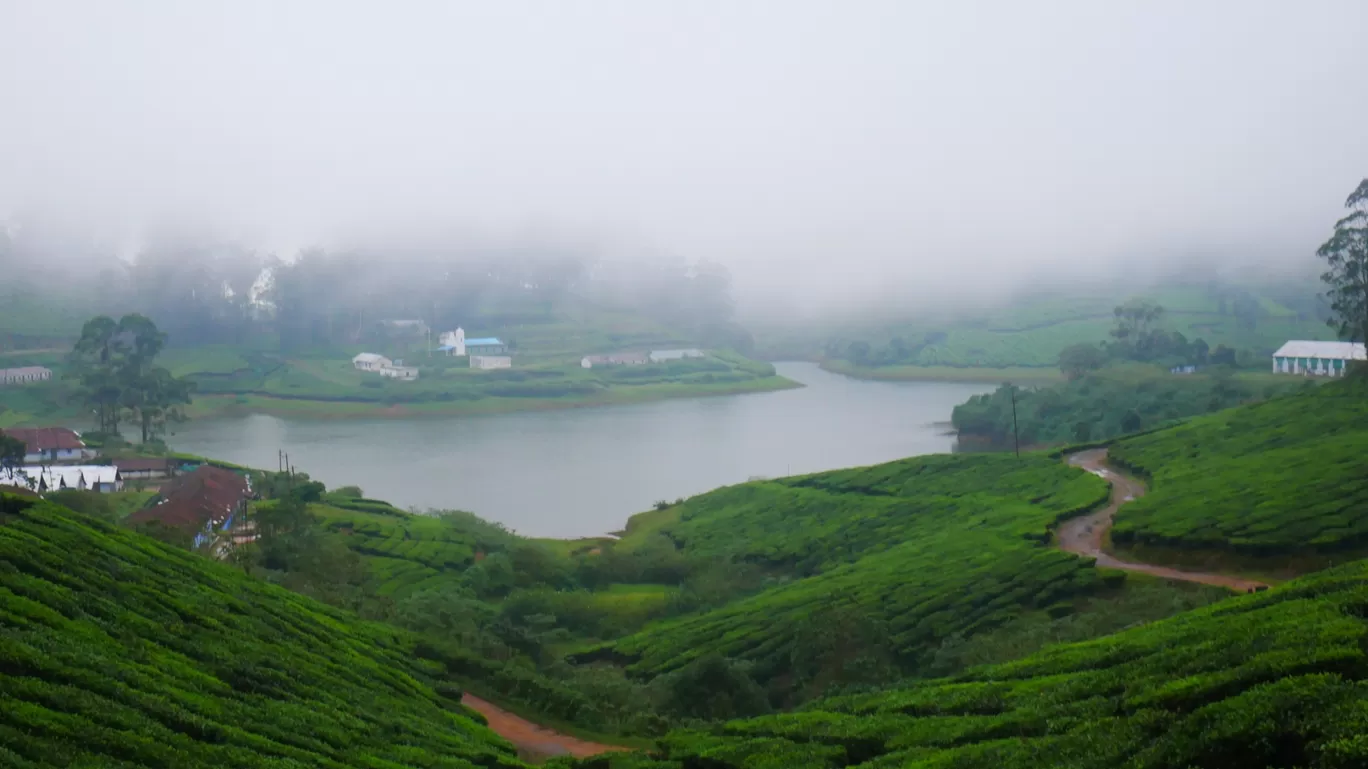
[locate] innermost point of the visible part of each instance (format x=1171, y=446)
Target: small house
x=206, y=501
x=369, y=361
x=404, y=373
x=24, y=375
x=1317, y=358
x=490, y=361
x=50, y=444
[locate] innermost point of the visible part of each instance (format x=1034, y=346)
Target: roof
x=194, y=499
x=142, y=463
x=24, y=371
x=1331, y=350
x=484, y=341
x=54, y=477
x=46, y=438
x=369, y=357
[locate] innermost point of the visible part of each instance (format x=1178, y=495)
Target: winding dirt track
x=1085, y=535
x=533, y=741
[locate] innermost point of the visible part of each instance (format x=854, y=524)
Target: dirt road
x=1086, y=534
x=532, y=741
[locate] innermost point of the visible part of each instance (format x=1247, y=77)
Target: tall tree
x=1346, y=254
x=94, y=363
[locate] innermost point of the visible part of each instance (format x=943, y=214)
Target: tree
x=1346, y=279
x=1076, y=360
x=114, y=363
x=1135, y=319
x=11, y=452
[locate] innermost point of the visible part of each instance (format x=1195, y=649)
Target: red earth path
x=1084, y=535
x=533, y=741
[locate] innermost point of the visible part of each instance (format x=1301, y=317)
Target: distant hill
x=1031, y=330
x=116, y=650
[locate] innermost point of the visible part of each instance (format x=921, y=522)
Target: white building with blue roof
x=455, y=343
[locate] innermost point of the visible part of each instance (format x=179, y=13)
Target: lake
x=580, y=472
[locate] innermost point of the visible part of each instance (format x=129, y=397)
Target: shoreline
x=233, y=404
x=1018, y=374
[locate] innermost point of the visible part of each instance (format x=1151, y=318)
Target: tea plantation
x=918, y=551
x=1271, y=679
x=1278, y=477
x=118, y=651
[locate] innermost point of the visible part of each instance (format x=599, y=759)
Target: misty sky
x=818, y=148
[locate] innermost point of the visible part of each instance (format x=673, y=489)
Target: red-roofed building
x=205, y=501
x=50, y=444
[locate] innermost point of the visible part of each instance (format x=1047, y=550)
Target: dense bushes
x=1272, y=679
x=116, y=650
x=1276, y=477
x=1104, y=404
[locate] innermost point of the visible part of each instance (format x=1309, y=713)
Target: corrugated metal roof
x=1328, y=350
x=483, y=342
x=369, y=357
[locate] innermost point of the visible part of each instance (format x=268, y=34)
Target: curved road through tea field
x=1084, y=535
x=531, y=740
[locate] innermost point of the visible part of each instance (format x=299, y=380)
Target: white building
x=658, y=356
x=452, y=342
x=47, y=478
x=490, y=361
x=25, y=375
x=616, y=359
x=1317, y=358
x=369, y=361
x=399, y=372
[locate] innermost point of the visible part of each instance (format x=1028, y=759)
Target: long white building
x=1317, y=358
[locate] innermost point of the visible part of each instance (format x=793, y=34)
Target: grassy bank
x=1015, y=374
x=224, y=405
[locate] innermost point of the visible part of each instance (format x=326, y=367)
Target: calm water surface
x=580, y=472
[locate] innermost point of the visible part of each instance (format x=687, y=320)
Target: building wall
x=490, y=361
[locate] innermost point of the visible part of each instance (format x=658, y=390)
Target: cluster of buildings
x=24, y=375
x=639, y=358
x=483, y=353
x=210, y=501
x=57, y=459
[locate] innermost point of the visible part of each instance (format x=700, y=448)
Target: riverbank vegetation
x=1111, y=401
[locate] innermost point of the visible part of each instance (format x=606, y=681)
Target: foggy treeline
x=205, y=291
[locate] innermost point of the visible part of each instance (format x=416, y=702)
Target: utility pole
x=1016, y=437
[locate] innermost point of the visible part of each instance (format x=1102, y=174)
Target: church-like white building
x=455, y=343
x=1317, y=358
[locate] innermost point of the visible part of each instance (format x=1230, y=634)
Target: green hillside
x=1279, y=478
x=1273, y=679
x=1031, y=331
x=909, y=559
x=117, y=651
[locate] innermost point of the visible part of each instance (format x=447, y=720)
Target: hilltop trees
x=114, y=364
x=1346, y=279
